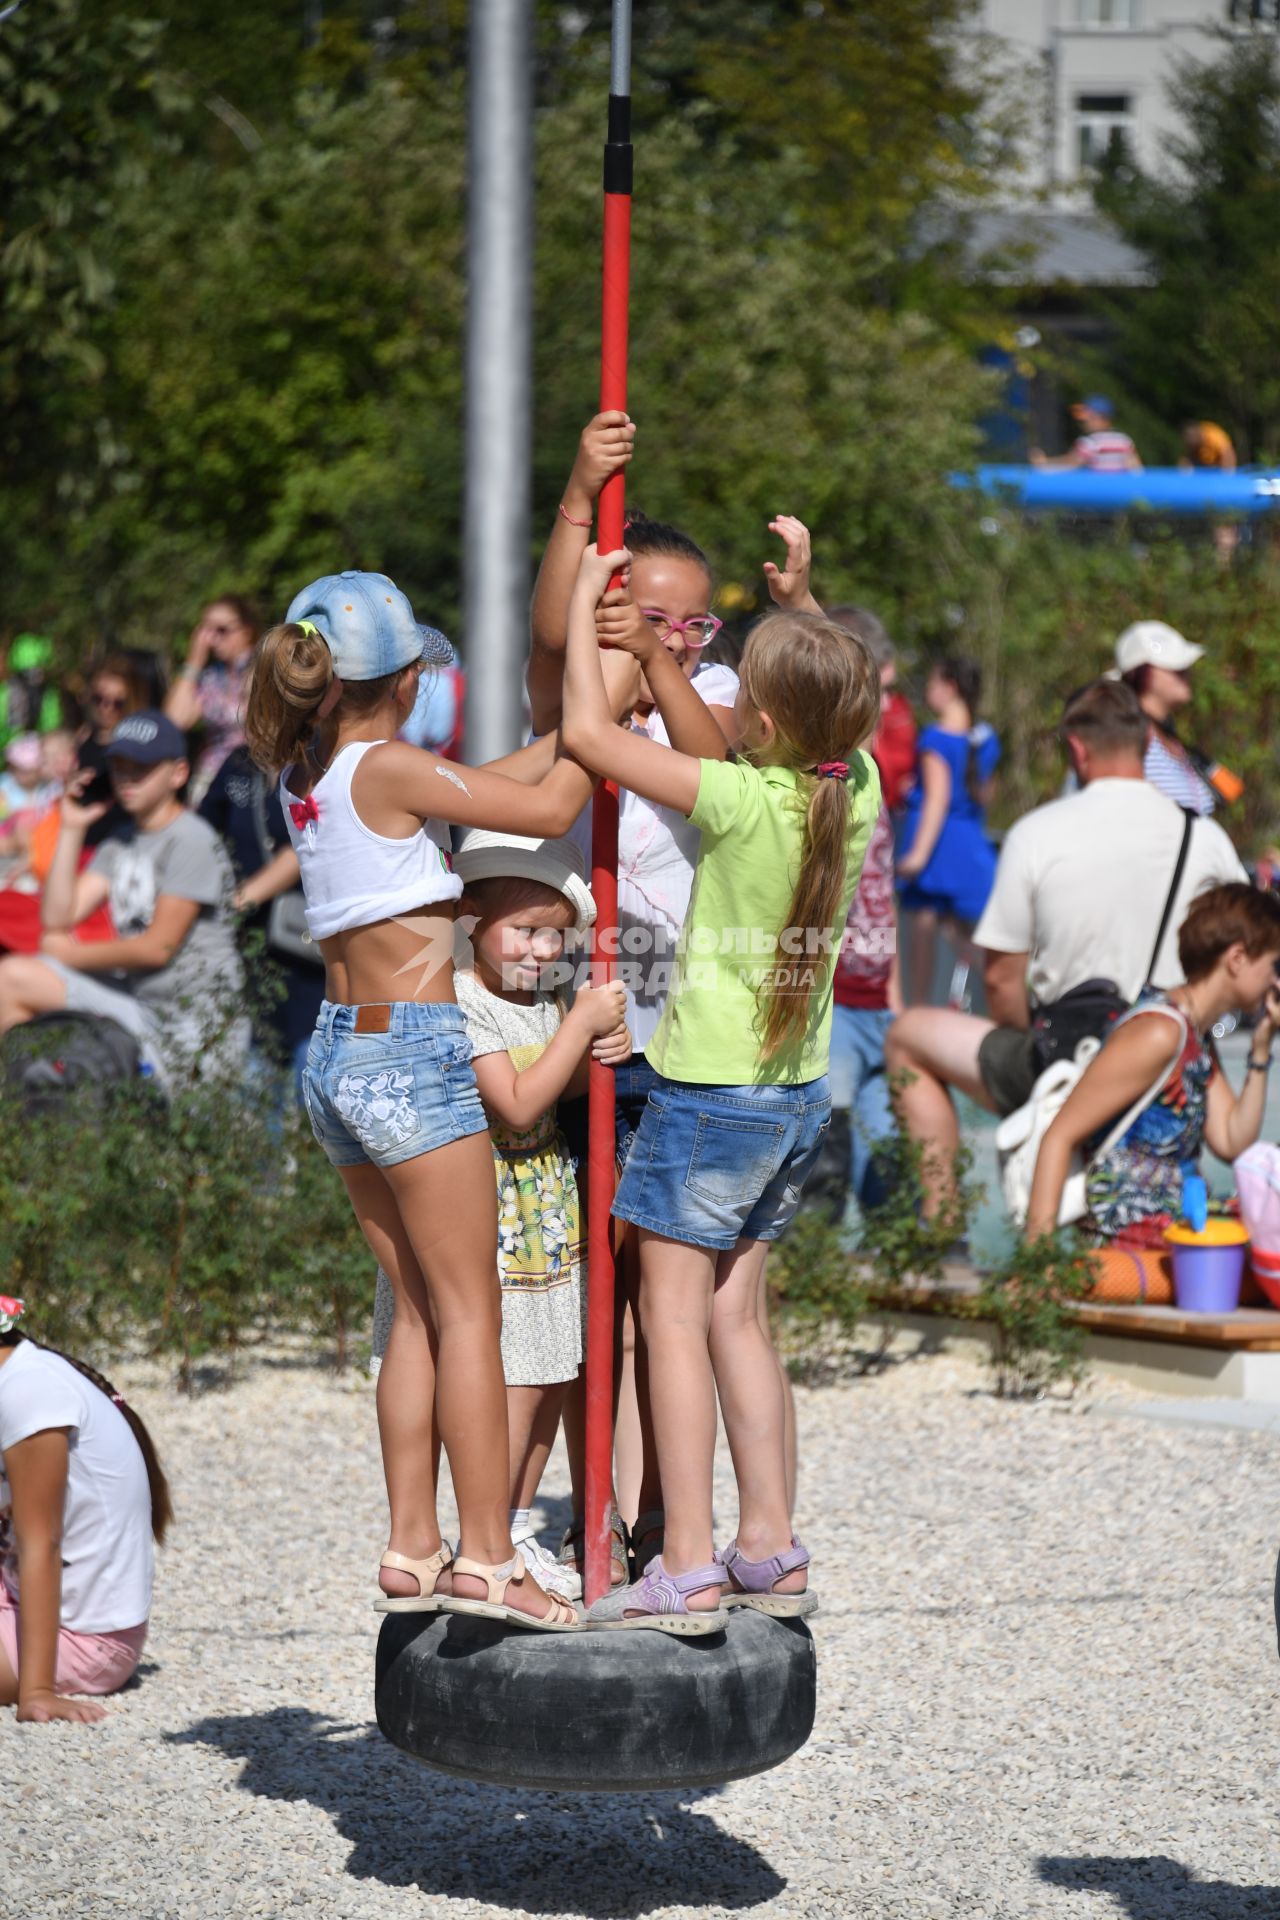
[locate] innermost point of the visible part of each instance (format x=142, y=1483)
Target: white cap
x=483, y=855
x=1153, y=643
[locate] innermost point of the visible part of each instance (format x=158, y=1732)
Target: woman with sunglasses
x=211, y=690
x=115, y=691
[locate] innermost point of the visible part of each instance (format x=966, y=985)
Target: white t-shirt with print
x=107, y=1553
x=1081, y=884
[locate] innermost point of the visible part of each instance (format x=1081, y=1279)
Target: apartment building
x=1099, y=70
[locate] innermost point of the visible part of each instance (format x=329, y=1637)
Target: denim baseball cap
x=368, y=624
x=147, y=737
x=1094, y=403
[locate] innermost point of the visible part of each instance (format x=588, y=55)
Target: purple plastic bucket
x=1208, y=1279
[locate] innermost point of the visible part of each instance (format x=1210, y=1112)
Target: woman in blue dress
x=948, y=863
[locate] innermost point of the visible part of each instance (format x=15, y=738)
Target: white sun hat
x=480, y=854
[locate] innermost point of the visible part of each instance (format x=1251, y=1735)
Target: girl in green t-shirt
x=741, y=1104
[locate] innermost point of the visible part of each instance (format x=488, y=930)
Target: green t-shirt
x=752, y=825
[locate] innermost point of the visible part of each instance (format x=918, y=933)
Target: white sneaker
x=550, y=1575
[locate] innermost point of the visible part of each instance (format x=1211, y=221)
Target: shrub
x=185, y=1229
x=1038, y=1344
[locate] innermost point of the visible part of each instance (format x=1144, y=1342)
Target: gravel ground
x=1047, y=1686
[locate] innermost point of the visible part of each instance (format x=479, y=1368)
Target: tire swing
x=603, y=1712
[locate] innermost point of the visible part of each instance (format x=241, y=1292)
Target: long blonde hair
x=819, y=685
x=292, y=673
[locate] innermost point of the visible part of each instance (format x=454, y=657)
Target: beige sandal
x=425, y=1572
x=562, y=1617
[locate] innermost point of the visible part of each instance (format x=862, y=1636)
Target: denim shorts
x=632, y=1085
x=387, y=1097
x=714, y=1165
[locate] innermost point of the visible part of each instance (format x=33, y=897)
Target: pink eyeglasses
x=699, y=632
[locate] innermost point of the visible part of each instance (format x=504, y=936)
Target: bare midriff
x=407, y=958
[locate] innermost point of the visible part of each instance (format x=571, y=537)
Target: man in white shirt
x=1078, y=896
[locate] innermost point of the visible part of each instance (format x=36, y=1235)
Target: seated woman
x=1228, y=945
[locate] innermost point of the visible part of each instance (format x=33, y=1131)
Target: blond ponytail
x=821, y=689
x=292, y=673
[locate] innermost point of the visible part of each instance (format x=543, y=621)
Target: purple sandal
x=658, y=1601
x=752, y=1582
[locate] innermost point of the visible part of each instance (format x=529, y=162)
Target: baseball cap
x=147, y=737
x=1152, y=643
x=1094, y=403
x=368, y=624
x=484, y=855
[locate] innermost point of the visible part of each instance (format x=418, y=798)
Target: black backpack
x=58, y=1056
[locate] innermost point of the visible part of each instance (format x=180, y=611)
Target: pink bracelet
x=569, y=517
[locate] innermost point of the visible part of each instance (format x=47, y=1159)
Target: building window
x=1106, y=13
x=1104, y=125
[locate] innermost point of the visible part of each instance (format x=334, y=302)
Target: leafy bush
x=187, y=1230
x=1038, y=1345
x=818, y=1294
x=822, y=1287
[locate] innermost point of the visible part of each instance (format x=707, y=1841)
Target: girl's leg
x=533, y=1415
x=446, y=1201
x=28, y=987
x=8, y=1681
x=676, y=1285
x=751, y=1399
x=628, y=1442
x=406, y=1382
x=924, y=956
x=639, y=1482
x=788, y=1398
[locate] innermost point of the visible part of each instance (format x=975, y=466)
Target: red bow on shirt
x=300, y=811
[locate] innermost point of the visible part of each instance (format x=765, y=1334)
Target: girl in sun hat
x=528, y=1053
x=82, y=1494
x=1156, y=661
x=388, y=1083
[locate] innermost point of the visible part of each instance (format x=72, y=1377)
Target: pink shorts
x=84, y=1662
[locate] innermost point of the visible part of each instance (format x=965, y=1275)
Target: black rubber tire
x=595, y=1712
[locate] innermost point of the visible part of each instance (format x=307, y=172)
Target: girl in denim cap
x=388, y=1083
x=741, y=1101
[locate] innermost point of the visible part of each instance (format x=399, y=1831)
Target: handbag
x=287, y=930
x=1019, y=1134
x=1091, y=1009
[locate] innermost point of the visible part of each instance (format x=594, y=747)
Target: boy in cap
x=171, y=975
x=1100, y=447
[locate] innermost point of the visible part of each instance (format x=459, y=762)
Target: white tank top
x=352, y=876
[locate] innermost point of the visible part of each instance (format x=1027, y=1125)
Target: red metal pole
x=604, y=847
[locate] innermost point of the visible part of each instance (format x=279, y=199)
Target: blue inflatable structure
x=1201, y=492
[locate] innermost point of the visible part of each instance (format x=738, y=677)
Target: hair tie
x=832, y=770
x=117, y=1399
x=309, y=626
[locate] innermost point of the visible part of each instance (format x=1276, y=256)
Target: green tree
x=88, y=113
x=1201, y=342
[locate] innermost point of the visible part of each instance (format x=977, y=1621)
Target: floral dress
x=1135, y=1191
x=540, y=1244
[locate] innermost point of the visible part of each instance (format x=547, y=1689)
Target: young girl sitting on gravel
x=741, y=1102
x=388, y=1083
x=81, y=1496
x=527, y=1053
